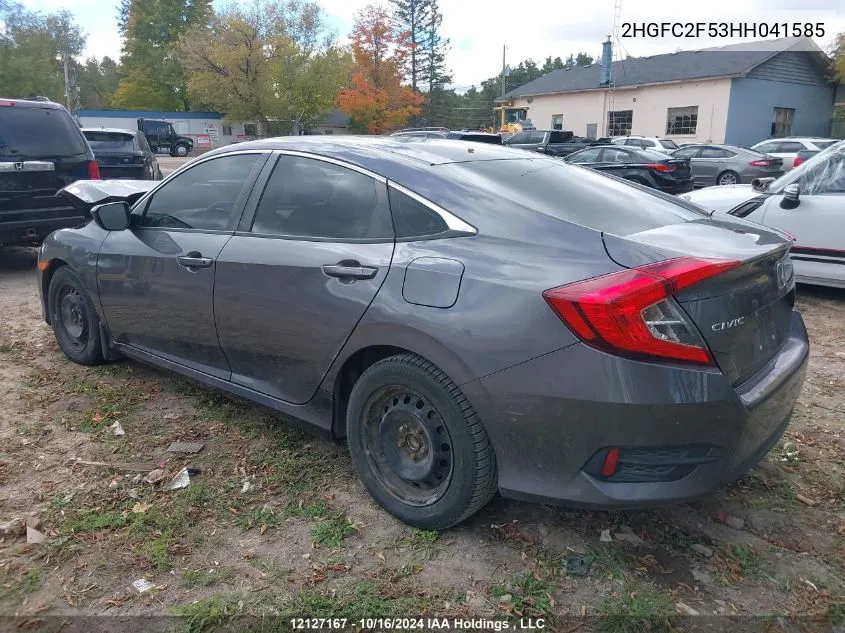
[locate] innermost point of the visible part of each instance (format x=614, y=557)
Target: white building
x=738, y=94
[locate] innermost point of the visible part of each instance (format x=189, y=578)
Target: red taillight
x=661, y=167
x=761, y=163
x=93, y=170
x=611, y=462
x=632, y=313
x=4, y=103
x=798, y=160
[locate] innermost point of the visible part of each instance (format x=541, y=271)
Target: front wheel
x=181, y=151
x=418, y=445
x=73, y=318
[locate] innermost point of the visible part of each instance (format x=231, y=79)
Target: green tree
x=154, y=78
x=436, y=74
x=412, y=19
x=31, y=46
x=838, y=55
x=97, y=82
x=275, y=63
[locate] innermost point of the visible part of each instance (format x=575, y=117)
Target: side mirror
x=112, y=216
x=791, y=197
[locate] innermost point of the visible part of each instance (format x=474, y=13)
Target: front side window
x=769, y=147
x=682, y=120
x=619, y=122
x=310, y=198
x=516, y=139
x=202, y=197
x=686, y=152
x=584, y=156
x=782, y=122
x=791, y=147
x=713, y=152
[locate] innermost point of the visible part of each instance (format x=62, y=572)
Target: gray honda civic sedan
x=471, y=318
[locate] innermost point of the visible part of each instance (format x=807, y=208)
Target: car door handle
x=353, y=270
x=194, y=260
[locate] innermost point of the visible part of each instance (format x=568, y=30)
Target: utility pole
x=504, y=69
x=67, y=82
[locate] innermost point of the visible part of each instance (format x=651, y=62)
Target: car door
x=308, y=258
x=818, y=222
x=156, y=279
x=709, y=163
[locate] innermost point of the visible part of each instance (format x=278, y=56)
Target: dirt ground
x=275, y=522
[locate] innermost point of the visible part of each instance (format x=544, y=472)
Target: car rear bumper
x=677, y=186
x=30, y=220
x=134, y=172
x=551, y=418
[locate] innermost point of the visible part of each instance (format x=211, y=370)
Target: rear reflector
x=631, y=312
x=608, y=468
x=4, y=103
x=93, y=170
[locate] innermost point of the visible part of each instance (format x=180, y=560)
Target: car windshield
x=99, y=140
x=33, y=132
x=573, y=193
x=795, y=175
x=668, y=144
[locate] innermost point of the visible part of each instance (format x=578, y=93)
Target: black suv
x=42, y=150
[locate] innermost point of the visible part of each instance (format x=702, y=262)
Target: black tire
x=729, y=178
x=181, y=150
x=406, y=414
x=73, y=318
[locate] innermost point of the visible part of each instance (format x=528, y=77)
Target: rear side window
x=311, y=198
x=617, y=156
x=571, y=193
x=791, y=146
x=823, y=144
x=652, y=155
x=412, y=218
x=668, y=144
x=33, y=132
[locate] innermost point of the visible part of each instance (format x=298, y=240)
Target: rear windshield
x=109, y=140
x=482, y=138
x=665, y=142
x=34, y=132
x=572, y=193
x=823, y=144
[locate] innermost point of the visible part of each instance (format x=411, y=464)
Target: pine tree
x=436, y=76
x=410, y=19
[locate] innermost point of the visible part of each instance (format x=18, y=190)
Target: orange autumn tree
x=377, y=100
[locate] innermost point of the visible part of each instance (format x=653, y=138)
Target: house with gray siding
x=737, y=94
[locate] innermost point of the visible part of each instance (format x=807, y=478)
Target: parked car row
x=42, y=150
x=643, y=166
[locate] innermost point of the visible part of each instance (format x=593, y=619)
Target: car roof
x=110, y=130
x=32, y=103
x=374, y=152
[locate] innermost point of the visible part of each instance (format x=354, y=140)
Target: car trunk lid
x=86, y=194
x=682, y=168
x=743, y=314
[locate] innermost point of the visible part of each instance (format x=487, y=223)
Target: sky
x=478, y=29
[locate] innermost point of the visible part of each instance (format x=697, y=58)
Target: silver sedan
x=728, y=164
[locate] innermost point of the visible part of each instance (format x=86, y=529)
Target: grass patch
x=16, y=582
x=331, y=529
x=207, y=577
x=208, y=614
x=530, y=595
x=32, y=429
x=314, y=509
x=743, y=561
x=607, y=559
x=366, y=599
x=636, y=610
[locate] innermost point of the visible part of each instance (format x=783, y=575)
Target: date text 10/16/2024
x=422, y=624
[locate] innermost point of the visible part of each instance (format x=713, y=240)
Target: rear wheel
x=181, y=150
x=727, y=178
x=418, y=445
x=73, y=318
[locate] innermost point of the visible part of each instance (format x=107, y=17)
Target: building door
x=557, y=121
x=592, y=130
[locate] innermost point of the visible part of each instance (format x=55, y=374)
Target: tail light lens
x=93, y=170
x=632, y=312
x=798, y=160
x=763, y=162
x=662, y=167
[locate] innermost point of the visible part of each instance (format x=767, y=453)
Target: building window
x=250, y=129
x=682, y=120
x=619, y=122
x=329, y=132
x=782, y=122
x=557, y=121
x=227, y=130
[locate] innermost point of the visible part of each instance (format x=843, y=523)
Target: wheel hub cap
x=73, y=317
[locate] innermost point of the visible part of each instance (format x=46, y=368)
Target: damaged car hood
x=86, y=194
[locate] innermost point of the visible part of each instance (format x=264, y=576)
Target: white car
x=807, y=202
x=788, y=148
x=662, y=145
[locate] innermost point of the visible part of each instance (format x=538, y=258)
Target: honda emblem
x=18, y=166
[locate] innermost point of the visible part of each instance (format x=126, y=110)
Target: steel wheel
x=72, y=317
x=408, y=447
x=181, y=150
x=728, y=178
